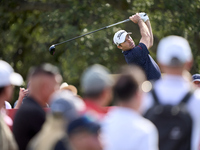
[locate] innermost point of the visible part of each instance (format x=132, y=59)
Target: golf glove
x=144, y=16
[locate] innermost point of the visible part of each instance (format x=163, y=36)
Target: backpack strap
x=155, y=96
x=186, y=97
x=183, y=101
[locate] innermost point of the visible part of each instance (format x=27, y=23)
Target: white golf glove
x=144, y=16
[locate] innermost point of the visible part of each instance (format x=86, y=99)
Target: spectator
x=45, y=79
x=196, y=80
x=84, y=134
x=124, y=127
x=8, y=79
x=139, y=55
x=97, y=89
x=65, y=86
x=22, y=94
x=174, y=56
x=64, y=109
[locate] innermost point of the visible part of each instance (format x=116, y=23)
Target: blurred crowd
x=51, y=115
x=115, y=112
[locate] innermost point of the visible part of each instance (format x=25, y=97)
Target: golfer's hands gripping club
x=144, y=16
x=135, y=18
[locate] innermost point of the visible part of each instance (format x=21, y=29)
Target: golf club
x=52, y=49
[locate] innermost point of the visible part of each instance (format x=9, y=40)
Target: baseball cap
x=173, y=51
x=195, y=77
x=8, y=76
x=66, y=104
x=83, y=123
x=65, y=86
x=120, y=36
x=95, y=79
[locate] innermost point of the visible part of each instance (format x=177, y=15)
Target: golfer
x=139, y=54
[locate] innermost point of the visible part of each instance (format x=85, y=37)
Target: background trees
x=29, y=27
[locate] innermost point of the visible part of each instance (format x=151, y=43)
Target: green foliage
x=29, y=28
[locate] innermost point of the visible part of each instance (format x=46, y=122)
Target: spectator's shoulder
x=30, y=109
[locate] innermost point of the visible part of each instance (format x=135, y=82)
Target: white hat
x=196, y=77
x=7, y=105
x=173, y=51
x=120, y=36
x=8, y=76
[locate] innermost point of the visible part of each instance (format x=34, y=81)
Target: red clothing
x=94, y=110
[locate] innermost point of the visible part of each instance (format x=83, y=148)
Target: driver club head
x=52, y=49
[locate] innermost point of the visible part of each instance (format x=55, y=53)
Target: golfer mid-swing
x=139, y=54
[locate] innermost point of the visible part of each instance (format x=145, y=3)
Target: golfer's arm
x=150, y=31
x=144, y=31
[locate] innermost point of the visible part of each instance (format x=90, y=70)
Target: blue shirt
x=139, y=55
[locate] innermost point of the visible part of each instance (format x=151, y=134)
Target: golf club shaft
x=94, y=31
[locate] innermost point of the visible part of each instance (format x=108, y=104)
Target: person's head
x=45, y=79
x=123, y=40
x=174, y=55
x=97, y=83
x=8, y=79
x=67, y=104
x=196, y=80
x=65, y=86
x=127, y=89
x=84, y=134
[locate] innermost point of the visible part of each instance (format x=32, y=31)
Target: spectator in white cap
x=97, y=89
x=8, y=79
x=196, y=80
x=139, y=55
x=174, y=56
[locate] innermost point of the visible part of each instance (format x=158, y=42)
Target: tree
x=29, y=28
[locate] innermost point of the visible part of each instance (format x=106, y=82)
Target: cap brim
x=128, y=33
x=93, y=128
x=70, y=87
x=83, y=123
x=16, y=79
x=196, y=80
x=73, y=89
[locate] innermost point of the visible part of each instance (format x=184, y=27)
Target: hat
x=7, y=105
x=65, y=86
x=196, y=77
x=8, y=76
x=65, y=103
x=173, y=51
x=120, y=36
x=83, y=123
x=95, y=79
